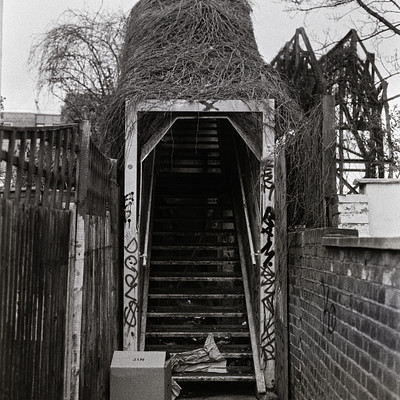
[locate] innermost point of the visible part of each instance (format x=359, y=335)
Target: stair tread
x=195, y=232
x=196, y=275
x=195, y=314
x=231, y=350
x=203, y=296
x=227, y=246
x=196, y=262
x=195, y=292
x=214, y=329
x=214, y=377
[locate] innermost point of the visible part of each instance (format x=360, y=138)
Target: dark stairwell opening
x=195, y=282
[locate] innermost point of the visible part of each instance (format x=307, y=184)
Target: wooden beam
x=131, y=237
x=209, y=106
x=267, y=251
x=328, y=156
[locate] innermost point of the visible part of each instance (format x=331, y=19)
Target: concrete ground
x=222, y=397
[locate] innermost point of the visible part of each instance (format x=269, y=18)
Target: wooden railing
x=38, y=165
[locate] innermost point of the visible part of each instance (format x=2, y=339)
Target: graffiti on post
x=329, y=313
x=268, y=179
x=131, y=283
x=129, y=199
x=268, y=285
x=131, y=267
x=267, y=262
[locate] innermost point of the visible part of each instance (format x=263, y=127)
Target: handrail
x=260, y=381
x=145, y=257
x=246, y=212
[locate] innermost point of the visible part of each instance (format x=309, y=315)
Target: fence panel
x=38, y=165
x=100, y=312
x=60, y=283
x=33, y=279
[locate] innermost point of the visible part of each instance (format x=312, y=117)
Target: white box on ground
x=140, y=375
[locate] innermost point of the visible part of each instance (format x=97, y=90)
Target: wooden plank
x=21, y=164
x=152, y=142
x=63, y=177
x=131, y=229
x=3, y=269
x=31, y=165
x=48, y=168
x=83, y=168
x=282, y=317
x=56, y=167
x=267, y=253
x=241, y=209
x=212, y=106
x=329, y=157
x=147, y=255
x=27, y=302
x=1, y=144
x=9, y=165
x=70, y=150
x=39, y=175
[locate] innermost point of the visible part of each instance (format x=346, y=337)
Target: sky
x=23, y=20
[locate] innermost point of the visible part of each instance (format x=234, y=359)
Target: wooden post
x=329, y=157
x=76, y=272
x=131, y=237
x=281, y=288
x=267, y=248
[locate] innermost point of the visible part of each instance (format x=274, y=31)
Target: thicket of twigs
x=206, y=50
x=194, y=49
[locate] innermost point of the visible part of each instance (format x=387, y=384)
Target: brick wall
x=344, y=318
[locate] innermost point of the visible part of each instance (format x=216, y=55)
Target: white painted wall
x=383, y=205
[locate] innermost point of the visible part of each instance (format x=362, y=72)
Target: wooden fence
x=60, y=282
x=33, y=287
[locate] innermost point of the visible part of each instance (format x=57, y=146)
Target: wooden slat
x=39, y=175
x=62, y=178
x=56, y=167
x=21, y=163
x=10, y=163
x=48, y=175
x=31, y=166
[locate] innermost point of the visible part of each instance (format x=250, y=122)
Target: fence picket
x=20, y=164
x=31, y=165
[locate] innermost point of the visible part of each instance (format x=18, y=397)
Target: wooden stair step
x=195, y=295
x=194, y=314
x=234, y=349
x=208, y=207
x=219, y=331
x=224, y=262
x=165, y=155
x=195, y=279
x=207, y=296
x=196, y=276
x=210, y=377
x=227, y=246
x=214, y=232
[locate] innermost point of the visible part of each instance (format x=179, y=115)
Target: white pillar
x=131, y=238
x=267, y=249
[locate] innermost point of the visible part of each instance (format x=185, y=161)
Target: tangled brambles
x=193, y=50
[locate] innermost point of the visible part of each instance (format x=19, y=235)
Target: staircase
x=195, y=280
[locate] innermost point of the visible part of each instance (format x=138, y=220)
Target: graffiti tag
x=329, y=314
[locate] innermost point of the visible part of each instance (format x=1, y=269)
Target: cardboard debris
x=206, y=359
